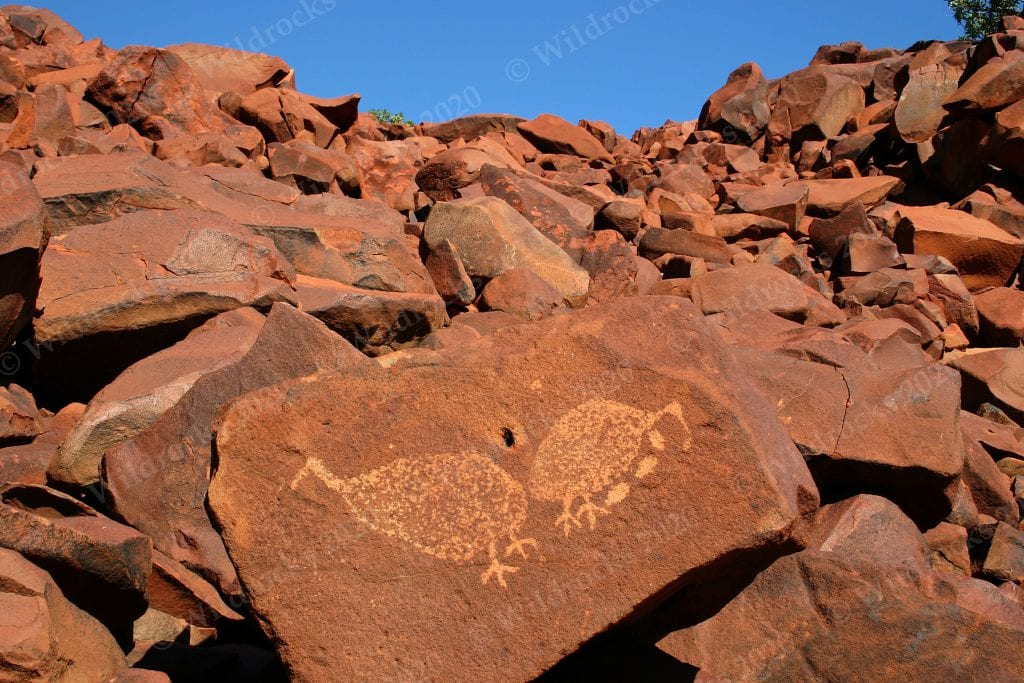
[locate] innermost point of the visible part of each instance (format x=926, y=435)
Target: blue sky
x=629, y=62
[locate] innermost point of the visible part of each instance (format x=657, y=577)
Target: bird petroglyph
x=452, y=506
x=590, y=450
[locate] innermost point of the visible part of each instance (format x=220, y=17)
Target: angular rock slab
x=985, y=255
x=157, y=480
x=155, y=268
x=143, y=392
x=493, y=238
x=24, y=233
x=43, y=637
x=483, y=515
x=862, y=603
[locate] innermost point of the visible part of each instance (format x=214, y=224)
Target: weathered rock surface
x=866, y=582
x=157, y=480
x=492, y=238
x=985, y=255
x=852, y=233
x=24, y=232
x=505, y=502
x=146, y=390
x=155, y=268
x=155, y=91
x=43, y=636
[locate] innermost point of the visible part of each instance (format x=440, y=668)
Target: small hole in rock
x=508, y=437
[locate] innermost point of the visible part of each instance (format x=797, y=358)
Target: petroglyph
x=590, y=450
x=453, y=507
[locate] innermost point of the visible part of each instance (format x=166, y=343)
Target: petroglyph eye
x=508, y=438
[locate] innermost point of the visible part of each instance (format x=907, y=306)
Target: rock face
x=155, y=91
x=505, y=505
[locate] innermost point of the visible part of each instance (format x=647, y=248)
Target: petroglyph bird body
x=591, y=449
x=453, y=507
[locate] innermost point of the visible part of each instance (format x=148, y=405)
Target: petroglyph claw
x=498, y=570
x=520, y=547
x=591, y=511
x=567, y=520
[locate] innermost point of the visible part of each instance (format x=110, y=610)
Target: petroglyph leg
x=588, y=508
x=566, y=520
x=496, y=569
x=519, y=546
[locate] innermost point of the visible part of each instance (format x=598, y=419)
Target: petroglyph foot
x=567, y=521
x=497, y=570
x=591, y=511
x=520, y=547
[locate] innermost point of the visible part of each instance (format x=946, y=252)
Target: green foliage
x=982, y=17
x=384, y=116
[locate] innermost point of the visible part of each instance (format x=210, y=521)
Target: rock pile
x=291, y=394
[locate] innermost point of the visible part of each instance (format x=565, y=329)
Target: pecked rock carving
x=589, y=450
x=451, y=506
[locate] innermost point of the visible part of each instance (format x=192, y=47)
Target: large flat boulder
x=919, y=111
x=143, y=392
x=556, y=135
x=565, y=221
x=223, y=69
x=375, y=321
x=558, y=478
x=815, y=104
x=866, y=429
x=831, y=196
x=356, y=242
x=985, y=255
x=155, y=268
x=759, y=286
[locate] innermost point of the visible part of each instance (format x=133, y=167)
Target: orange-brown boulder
x=558, y=477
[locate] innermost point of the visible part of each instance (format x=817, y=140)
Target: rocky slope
x=290, y=394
